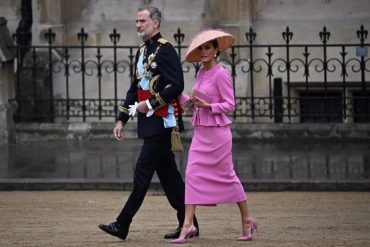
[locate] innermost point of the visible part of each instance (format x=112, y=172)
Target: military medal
x=147, y=73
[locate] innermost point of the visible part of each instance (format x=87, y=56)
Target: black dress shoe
x=115, y=229
x=176, y=234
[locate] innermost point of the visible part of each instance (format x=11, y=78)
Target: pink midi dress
x=210, y=178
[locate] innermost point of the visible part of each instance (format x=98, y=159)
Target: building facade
x=291, y=57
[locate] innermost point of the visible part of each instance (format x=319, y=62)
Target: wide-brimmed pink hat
x=224, y=39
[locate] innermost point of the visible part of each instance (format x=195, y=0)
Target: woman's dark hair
x=215, y=45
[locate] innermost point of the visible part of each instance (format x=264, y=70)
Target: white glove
x=132, y=109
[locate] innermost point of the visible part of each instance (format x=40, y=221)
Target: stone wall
x=307, y=18
x=6, y=91
x=6, y=80
x=11, y=10
x=268, y=18
x=36, y=132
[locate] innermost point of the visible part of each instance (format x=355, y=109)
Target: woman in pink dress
x=210, y=178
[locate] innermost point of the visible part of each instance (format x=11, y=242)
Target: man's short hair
x=154, y=12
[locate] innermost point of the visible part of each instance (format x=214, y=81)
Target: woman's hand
x=201, y=103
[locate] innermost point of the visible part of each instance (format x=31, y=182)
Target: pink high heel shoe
x=191, y=232
x=249, y=237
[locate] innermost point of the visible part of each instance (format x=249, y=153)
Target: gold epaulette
x=162, y=41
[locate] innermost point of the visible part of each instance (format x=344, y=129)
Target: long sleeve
x=171, y=71
x=158, y=79
x=171, y=82
x=216, y=83
x=226, y=90
x=131, y=97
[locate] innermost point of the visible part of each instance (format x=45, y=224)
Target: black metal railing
x=273, y=83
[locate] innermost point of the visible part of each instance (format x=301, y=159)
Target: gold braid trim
x=123, y=109
x=159, y=99
x=157, y=102
x=151, y=84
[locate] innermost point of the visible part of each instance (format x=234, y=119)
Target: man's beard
x=141, y=34
x=144, y=33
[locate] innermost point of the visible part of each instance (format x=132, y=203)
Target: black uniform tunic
x=156, y=154
x=168, y=66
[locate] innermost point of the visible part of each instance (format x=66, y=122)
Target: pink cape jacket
x=216, y=83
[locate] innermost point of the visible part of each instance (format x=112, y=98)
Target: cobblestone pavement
x=70, y=218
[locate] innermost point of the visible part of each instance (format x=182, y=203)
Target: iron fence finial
x=287, y=35
x=114, y=37
x=82, y=36
x=324, y=35
x=179, y=36
x=49, y=36
x=362, y=34
x=250, y=36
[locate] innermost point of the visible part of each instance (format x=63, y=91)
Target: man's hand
x=142, y=107
x=117, y=131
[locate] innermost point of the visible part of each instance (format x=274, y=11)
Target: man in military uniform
x=153, y=98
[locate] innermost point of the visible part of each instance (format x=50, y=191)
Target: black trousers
x=155, y=156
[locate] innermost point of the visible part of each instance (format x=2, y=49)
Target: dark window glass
x=318, y=107
x=361, y=107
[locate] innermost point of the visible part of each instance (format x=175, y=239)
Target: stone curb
x=33, y=132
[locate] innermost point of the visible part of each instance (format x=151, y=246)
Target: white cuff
x=149, y=113
x=148, y=104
